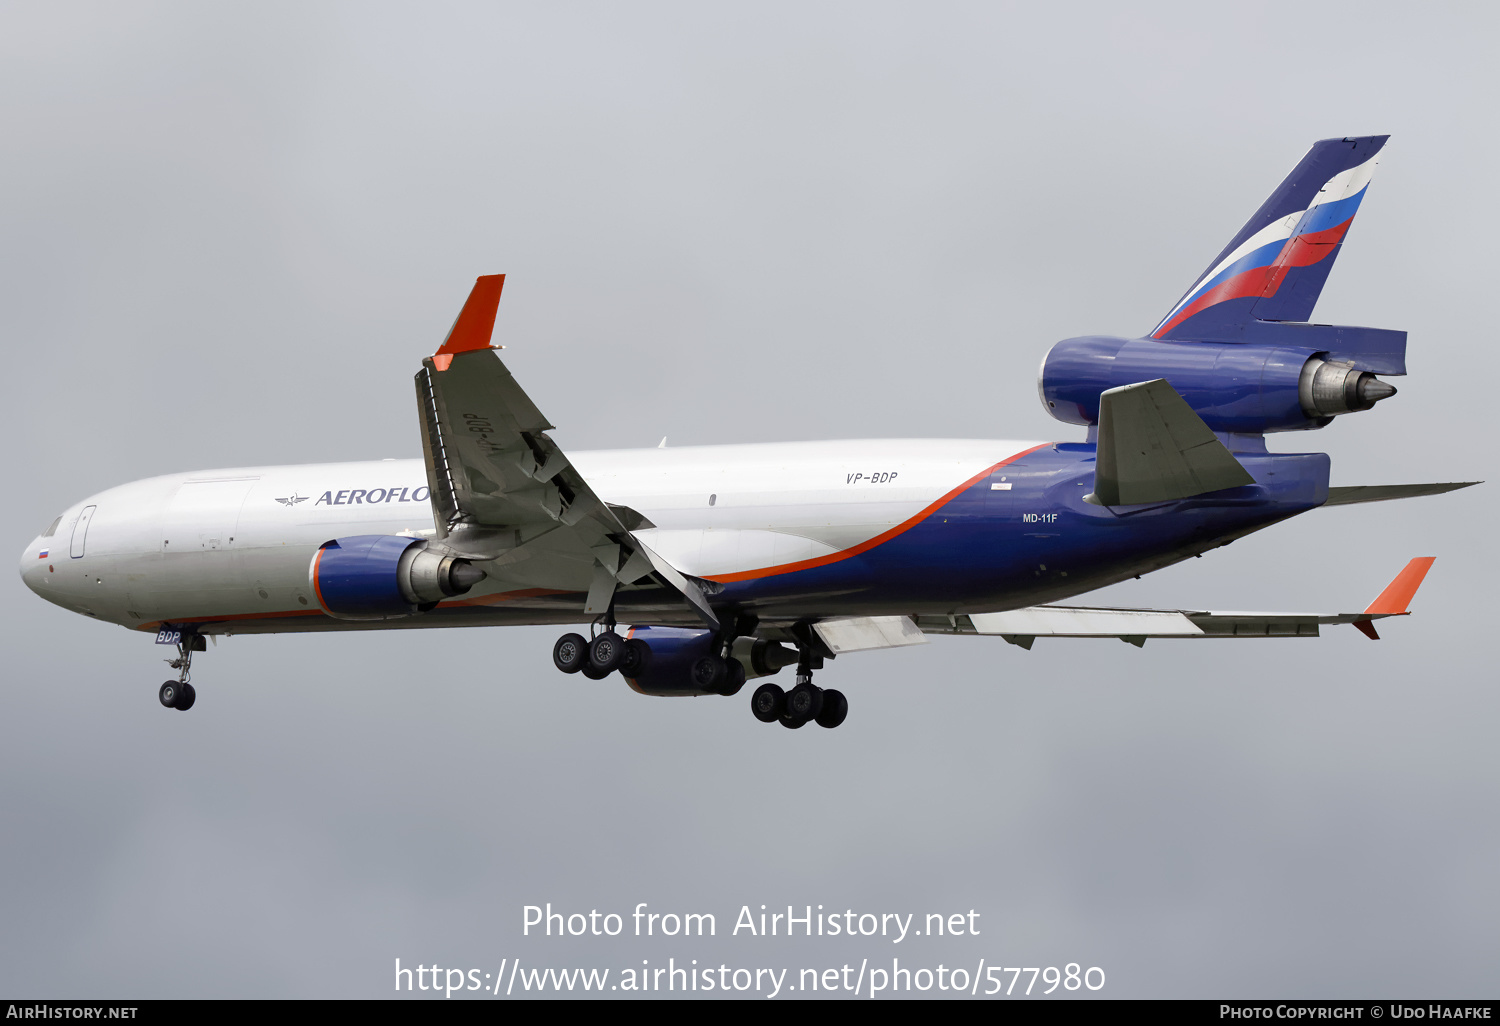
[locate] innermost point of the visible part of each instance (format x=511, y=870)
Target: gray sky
x=231, y=232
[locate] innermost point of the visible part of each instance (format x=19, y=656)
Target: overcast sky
x=231, y=232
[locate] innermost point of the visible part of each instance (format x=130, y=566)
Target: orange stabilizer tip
x=476, y=321
x=1398, y=594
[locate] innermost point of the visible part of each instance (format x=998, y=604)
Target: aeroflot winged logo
x=361, y=496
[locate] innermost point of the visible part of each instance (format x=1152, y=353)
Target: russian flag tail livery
x=1274, y=269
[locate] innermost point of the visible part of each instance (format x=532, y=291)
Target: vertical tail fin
x=1274, y=269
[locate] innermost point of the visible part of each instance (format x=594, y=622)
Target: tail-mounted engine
x=1239, y=345
x=383, y=577
x=1244, y=387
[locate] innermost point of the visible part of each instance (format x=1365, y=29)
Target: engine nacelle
x=384, y=577
x=1243, y=387
x=675, y=649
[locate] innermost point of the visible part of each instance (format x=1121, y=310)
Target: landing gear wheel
x=804, y=702
x=734, y=678
x=835, y=708
x=792, y=722
x=709, y=673
x=594, y=673
x=637, y=658
x=767, y=703
x=606, y=652
x=169, y=693
x=570, y=653
x=186, y=698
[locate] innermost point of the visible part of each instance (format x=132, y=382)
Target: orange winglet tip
x=1398, y=594
x=476, y=321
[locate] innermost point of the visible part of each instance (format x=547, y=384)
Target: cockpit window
x=53, y=529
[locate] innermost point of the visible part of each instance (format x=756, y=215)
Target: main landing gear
x=718, y=675
x=179, y=694
x=598, y=658
x=720, y=672
x=804, y=704
x=607, y=652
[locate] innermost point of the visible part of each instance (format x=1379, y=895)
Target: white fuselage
x=230, y=547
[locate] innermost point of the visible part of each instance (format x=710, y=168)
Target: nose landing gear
x=179, y=694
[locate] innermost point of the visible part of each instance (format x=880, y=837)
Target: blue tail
x=1274, y=269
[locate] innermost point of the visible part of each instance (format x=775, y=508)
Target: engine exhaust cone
x=464, y=576
x=1372, y=390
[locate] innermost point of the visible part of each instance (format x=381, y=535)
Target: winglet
x=1398, y=594
x=476, y=321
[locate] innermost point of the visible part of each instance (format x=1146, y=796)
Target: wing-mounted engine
x=383, y=577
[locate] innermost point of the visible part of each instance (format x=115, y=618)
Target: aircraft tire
x=570, y=653
x=804, y=702
x=709, y=673
x=637, y=658
x=767, y=703
x=607, y=652
x=734, y=678
x=168, y=694
x=592, y=672
x=186, y=699
x=793, y=722
x=835, y=708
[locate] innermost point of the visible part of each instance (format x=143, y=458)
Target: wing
x=1023, y=626
x=506, y=497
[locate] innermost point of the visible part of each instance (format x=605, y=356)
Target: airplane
x=697, y=568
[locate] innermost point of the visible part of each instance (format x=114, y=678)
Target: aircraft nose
x=35, y=564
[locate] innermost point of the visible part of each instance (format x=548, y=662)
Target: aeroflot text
x=765, y=923
x=372, y=496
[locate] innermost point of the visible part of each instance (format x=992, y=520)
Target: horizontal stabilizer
x=1350, y=494
x=1153, y=448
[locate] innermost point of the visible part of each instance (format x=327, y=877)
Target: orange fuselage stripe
x=482, y=600
x=879, y=539
x=745, y=575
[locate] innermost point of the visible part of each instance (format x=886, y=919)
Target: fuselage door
x=81, y=531
x=198, y=550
